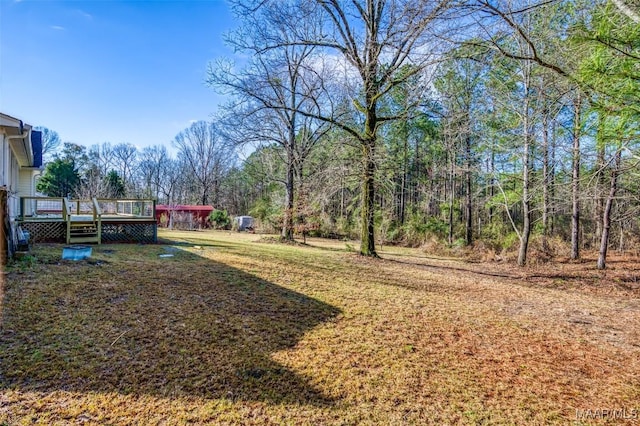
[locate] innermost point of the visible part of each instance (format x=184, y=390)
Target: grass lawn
x=231, y=330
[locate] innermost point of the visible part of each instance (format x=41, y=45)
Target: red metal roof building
x=199, y=214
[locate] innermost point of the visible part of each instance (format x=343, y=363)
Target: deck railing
x=51, y=218
x=129, y=207
x=42, y=207
x=59, y=208
x=81, y=207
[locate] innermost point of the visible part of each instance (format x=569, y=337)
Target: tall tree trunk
x=552, y=177
x=403, y=189
x=545, y=179
x=600, y=179
x=215, y=193
x=526, y=202
x=468, y=203
x=621, y=241
x=575, y=180
x=367, y=246
x=342, y=197
x=492, y=188
x=606, y=216
x=452, y=194
x=526, y=206
x=369, y=143
x=287, y=223
x=298, y=215
x=416, y=176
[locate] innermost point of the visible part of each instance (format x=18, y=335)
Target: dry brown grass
x=233, y=331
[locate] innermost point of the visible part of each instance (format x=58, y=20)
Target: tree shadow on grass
x=168, y=327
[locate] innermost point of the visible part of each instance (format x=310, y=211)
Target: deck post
x=4, y=215
x=97, y=219
x=155, y=227
x=67, y=217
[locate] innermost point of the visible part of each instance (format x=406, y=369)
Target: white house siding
x=26, y=188
x=17, y=161
x=9, y=177
x=11, y=173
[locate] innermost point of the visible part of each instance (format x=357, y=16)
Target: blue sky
x=107, y=71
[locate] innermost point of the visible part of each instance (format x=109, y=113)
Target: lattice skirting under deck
x=129, y=232
x=46, y=232
x=55, y=232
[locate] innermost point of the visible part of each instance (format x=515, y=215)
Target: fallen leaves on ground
x=229, y=330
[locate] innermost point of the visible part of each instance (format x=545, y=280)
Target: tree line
x=476, y=122
x=196, y=175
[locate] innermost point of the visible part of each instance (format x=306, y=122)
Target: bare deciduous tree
x=149, y=169
x=375, y=40
x=206, y=156
x=268, y=95
x=50, y=142
x=124, y=158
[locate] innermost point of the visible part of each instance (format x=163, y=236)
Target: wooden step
x=92, y=239
x=82, y=224
x=82, y=228
x=83, y=232
x=84, y=235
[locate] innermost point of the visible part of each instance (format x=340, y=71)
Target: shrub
x=417, y=229
x=220, y=219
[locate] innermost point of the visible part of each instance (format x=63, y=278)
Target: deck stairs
x=83, y=227
x=82, y=231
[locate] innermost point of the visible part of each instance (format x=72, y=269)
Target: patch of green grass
x=231, y=330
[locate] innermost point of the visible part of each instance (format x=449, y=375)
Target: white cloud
x=84, y=14
x=57, y=28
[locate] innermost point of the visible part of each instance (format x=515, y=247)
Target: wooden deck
x=98, y=221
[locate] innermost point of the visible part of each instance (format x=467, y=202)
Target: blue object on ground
x=76, y=252
x=23, y=239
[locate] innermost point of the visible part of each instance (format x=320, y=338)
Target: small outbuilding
x=243, y=223
x=183, y=216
